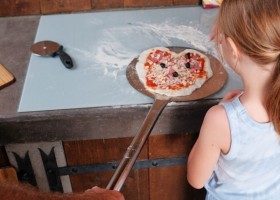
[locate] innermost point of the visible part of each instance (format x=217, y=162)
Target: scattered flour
x=119, y=45
x=187, y=34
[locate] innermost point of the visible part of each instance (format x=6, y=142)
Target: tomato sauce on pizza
x=165, y=72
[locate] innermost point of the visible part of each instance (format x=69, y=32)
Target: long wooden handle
x=136, y=146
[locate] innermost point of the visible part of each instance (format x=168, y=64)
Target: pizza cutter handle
x=136, y=146
x=64, y=57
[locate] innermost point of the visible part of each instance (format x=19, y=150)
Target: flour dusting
x=96, y=21
x=121, y=44
x=187, y=34
x=113, y=57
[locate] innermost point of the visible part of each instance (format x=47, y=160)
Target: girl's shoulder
x=216, y=114
x=217, y=125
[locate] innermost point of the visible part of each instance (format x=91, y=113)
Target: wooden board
x=103, y=151
x=185, y=2
x=6, y=77
x=19, y=7
x=101, y=4
x=171, y=182
x=162, y=183
x=48, y=6
x=137, y=3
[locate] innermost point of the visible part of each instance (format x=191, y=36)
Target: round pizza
x=165, y=72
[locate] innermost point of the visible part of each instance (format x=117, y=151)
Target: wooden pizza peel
x=211, y=86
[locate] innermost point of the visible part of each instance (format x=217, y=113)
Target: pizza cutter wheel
x=50, y=48
x=211, y=86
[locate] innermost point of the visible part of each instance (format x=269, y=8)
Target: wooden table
x=87, y=143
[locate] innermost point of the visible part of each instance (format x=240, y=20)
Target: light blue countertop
x=101, y=45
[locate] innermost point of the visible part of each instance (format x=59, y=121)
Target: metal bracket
x=25, y=171
x=50, y=165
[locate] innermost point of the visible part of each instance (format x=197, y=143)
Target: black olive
x=175, y=74
x=188, y=65
x=188, y=55
x=162, y=65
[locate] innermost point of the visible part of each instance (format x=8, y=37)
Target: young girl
x=237, y=154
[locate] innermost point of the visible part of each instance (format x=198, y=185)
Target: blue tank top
x=251, y=168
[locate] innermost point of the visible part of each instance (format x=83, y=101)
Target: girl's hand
x=231, y=95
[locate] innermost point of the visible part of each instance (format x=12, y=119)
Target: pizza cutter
x=214, y=84
x=50, y=48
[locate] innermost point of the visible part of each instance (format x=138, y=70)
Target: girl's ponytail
x=257, y=35
x=273, y=98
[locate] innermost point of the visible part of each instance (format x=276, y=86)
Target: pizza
x=165, y=72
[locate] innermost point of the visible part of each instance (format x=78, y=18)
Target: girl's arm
x=214, y=139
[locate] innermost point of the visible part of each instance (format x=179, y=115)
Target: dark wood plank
x=19, y=7
x=97, y=151
x=171, y=145
x=60, y=6
x=170, y=182
x=186, y=2
x=145, y=3
x=101, y=4
x=136, y=186
x=31, y=7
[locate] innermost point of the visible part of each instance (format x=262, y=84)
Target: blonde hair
x=254, y=26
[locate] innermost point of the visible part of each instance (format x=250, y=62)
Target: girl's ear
x=234, y=49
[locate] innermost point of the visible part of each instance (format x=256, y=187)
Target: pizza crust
x=174, y=92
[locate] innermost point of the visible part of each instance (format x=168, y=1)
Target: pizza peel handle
x=50, y=48
x=136, y=145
